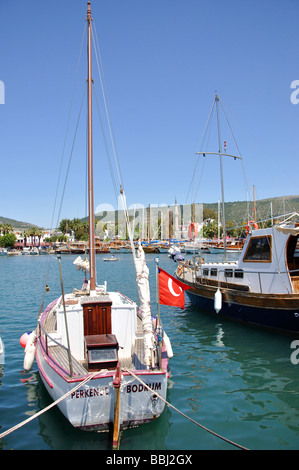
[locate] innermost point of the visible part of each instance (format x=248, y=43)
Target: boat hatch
x=101, y=352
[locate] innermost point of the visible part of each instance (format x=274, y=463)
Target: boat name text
x=141, y=387
x=90, y=392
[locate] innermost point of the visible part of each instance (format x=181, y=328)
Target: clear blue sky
x=163, y=61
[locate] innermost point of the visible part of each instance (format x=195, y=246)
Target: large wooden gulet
x=261, y=288
x=103, y=359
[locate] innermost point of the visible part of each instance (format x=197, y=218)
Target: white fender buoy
x=167, y=346
x=24, y=338
x=29, y=352
x=218, y=301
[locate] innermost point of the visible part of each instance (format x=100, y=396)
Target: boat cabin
x=101, y=328
x=269, y=262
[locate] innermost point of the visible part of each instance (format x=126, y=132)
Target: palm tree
x=26, y=235
x=33, y=234
x=38, y=234
x=7, y=228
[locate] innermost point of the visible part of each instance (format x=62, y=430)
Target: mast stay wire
x=67, y=127
x=47, y=265
x=201, y=139
x=115, y=153
x=101, y=75
x=236, y=144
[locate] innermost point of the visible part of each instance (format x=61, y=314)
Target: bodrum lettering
x=90, y=392
x=141, y=387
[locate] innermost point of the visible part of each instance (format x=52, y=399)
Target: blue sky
x=163, y=61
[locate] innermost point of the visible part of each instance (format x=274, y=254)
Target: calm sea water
x=235, y=380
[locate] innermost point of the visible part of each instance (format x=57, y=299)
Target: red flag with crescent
x=171, y=290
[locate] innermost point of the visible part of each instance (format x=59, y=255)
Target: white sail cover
x=288, y=230
x=144, y=298
x=81, y=264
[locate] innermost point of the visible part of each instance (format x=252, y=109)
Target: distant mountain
x=16, y=223
x=238, y=211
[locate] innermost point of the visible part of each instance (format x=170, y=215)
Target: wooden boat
x=151, y=248
x=231, y=246
x=98, y=355
x=262, y=287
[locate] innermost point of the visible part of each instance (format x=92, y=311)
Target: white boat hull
x=92, y=407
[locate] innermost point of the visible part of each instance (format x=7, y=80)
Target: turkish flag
x=171, y=290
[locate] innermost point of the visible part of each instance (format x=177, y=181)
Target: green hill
x=239, y=211
x=16, y=223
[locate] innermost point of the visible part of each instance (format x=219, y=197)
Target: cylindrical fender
x=29, y=352
x=218, y=301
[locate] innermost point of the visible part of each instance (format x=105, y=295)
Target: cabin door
x=293, y=262
x=97, y=318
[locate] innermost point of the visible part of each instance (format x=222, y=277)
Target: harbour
x=239, y=381
x=164, y=337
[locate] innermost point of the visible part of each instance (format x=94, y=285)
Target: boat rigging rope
x=88, y=378
x=183, y=414
x=14, y=428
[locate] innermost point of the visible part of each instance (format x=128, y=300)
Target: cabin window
x=228, y=273
x=213, y=272
x=205, y=272
x=239, y=273
x=259, y=249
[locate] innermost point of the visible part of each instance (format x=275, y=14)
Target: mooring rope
x=183, y=414
x=88, y=378
x=14, y=428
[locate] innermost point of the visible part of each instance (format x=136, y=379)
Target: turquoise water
x=237, y=381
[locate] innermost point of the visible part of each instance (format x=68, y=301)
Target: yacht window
x=205, y=272
x=239, y=273
x=228, y=273
x=213, y=272
x=259, y=249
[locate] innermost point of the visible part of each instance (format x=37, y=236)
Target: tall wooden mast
x=90, y=158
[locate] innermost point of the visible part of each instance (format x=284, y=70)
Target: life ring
x=252, y=223
x=192, y=230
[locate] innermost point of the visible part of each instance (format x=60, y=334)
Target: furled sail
x=81, y=264
x=145, y=306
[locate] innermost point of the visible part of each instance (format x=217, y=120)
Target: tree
x=65, y=225
x=209, y=214
x=211, y=230
x=8, y=240
x=33, y=233
x=7, y=228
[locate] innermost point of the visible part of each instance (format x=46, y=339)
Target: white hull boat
x=103, y=361
x=92, y=406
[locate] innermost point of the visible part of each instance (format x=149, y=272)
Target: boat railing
x=220, y=275
x=46, y=338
